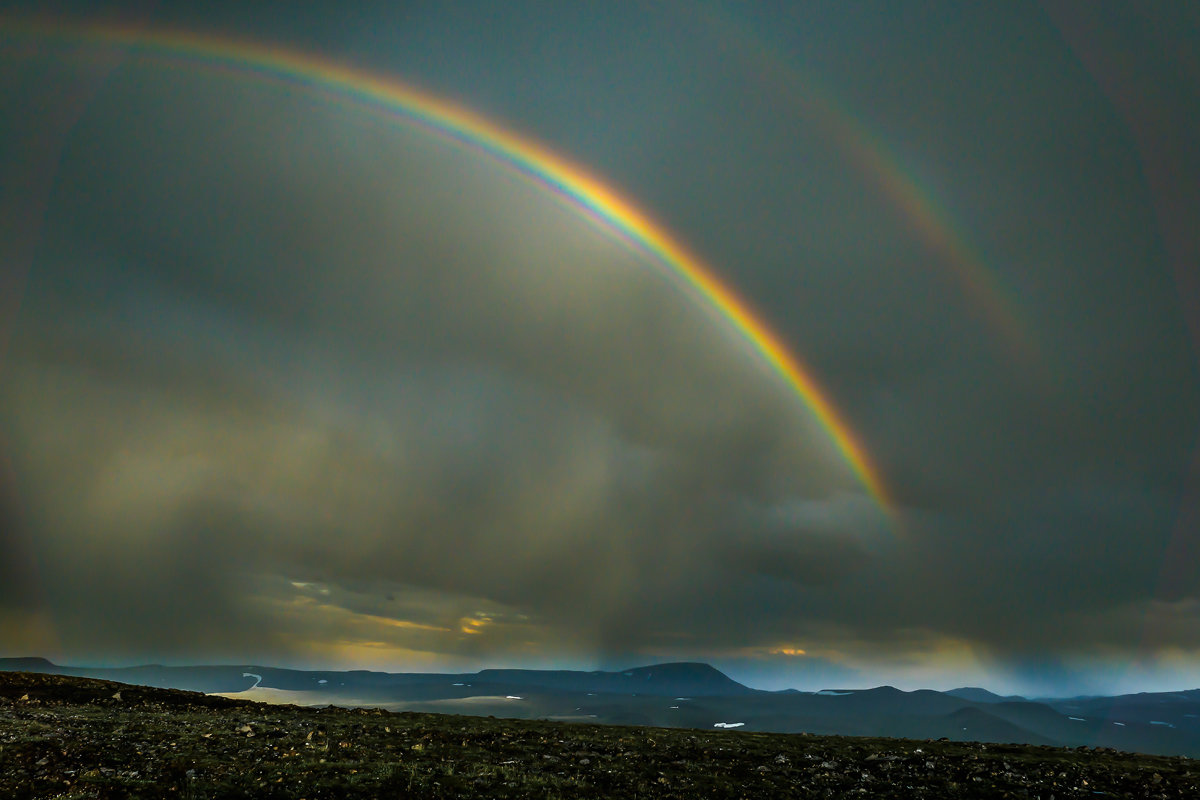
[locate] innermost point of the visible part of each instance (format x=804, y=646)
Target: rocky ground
x=79, y=738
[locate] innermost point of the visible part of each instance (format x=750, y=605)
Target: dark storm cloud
x=265, y=342
x=316, y=385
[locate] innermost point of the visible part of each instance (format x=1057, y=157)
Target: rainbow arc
x=407, y=104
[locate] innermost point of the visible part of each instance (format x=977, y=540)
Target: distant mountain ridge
x=681, y=678
x=670, y=679
x=695, y=695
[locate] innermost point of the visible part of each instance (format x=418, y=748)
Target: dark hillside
x=695, y=695
x=79, y=738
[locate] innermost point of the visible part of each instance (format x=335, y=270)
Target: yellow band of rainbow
x=530, y=159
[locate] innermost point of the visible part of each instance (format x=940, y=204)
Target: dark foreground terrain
x=82, y=738
x=695, y=695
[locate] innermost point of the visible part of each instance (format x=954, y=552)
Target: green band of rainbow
x=868, y=151
x=530, y=159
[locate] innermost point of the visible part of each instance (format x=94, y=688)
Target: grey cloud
x=443, y=380
x=271, y=341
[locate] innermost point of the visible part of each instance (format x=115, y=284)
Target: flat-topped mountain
x=29, y=664
x=978, y=695
x=683, y=678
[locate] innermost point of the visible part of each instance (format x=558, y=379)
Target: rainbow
x=526, y=157
x=932, y=223
x=963, y=262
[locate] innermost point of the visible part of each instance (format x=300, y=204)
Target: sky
x=386, y=336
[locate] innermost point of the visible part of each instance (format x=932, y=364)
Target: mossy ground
x=79, y=738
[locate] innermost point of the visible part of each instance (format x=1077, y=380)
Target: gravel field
x=63, y=737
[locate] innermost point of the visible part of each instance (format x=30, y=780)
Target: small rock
x=116, y=696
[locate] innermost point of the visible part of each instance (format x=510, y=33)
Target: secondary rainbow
x=869, y=153
x=530, y=159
